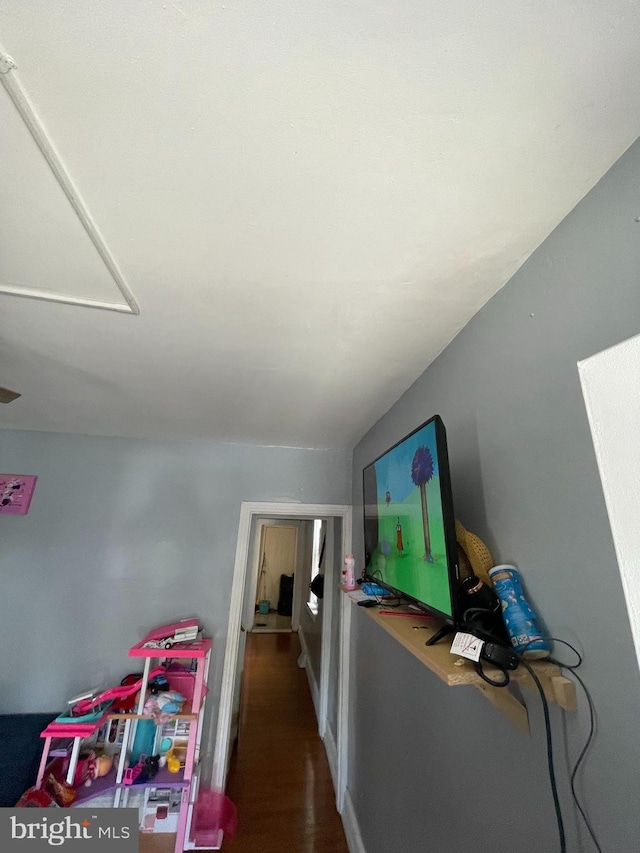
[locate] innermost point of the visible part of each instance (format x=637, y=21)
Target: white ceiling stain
x=308, y=199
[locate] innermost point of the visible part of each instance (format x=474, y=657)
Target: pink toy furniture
x=189, y=674
x=132, y=773
x=85, y=706
x=200, y=653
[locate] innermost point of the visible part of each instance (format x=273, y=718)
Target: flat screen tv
x=409, y=525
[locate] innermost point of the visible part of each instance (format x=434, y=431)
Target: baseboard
x=351, y=827
x=332, y=757
x=313, y=684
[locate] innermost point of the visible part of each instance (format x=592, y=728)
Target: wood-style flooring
x=279, y=777
x=271, y=622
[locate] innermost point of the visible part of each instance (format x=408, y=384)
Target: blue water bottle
x=519, y=617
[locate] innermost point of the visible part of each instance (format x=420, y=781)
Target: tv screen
x=409, y=525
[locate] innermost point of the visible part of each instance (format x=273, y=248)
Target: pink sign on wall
x=16, y=491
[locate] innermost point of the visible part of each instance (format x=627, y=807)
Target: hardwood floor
x=279, y=778
x=270, y=622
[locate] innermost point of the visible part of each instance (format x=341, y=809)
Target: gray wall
x=525, y=480
x=124, y=535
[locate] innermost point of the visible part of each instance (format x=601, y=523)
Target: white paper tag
x=467, y=646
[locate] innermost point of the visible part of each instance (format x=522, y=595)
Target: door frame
x=242, y=574
x=253, y=567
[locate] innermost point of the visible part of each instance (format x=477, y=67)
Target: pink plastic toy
x=87, y=705
x=185, y=631
x=132, y=773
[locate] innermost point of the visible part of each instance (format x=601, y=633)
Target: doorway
x=278, y=570
x=329, y=700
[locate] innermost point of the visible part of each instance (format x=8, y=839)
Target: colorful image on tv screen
x=404, y=528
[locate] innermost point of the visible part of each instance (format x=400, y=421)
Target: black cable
x=552, y=774
x=482, y=633
x=592, y=726
x=545, y=707
x=484, y=677
x=474, y=611
x=547, y=724
x=573, y=649
x=572, y=668
x=388, y=602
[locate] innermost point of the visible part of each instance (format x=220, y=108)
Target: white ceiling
x=307, y=199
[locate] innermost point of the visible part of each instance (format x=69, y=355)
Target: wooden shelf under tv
x=456, y=671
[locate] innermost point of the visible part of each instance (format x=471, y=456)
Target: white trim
x=331, y=577
x=248, y=511
x=225, y=709
x=298, y=592
x=343, y=699
x=332, y=756
x=351, y=827
x=48, y=150
x=304, y=661
x=312, y=598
